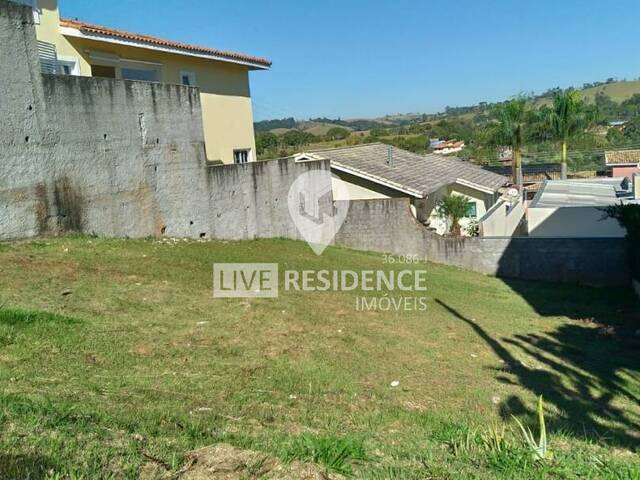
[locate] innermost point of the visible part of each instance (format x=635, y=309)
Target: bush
x=628, y=216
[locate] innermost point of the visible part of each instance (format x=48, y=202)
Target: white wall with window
x=478, y=204
x=68, y=66
x=242, y=156
x=107, y=64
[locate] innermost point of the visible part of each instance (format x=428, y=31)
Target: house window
x=143, y=74
x=68, y=66
x=241, y=156
x=103, y=71
x=188, y=79
x=472, y=210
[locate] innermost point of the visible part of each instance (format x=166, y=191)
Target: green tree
x=453, y=208
x=266, y=141
x=297, y=138
x=569, y=117
x=632, y=130
x=337, y=133
x=510, y=122
x=615, y=136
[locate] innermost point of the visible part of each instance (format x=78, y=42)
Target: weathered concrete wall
x=120, y=158
x=388, y=226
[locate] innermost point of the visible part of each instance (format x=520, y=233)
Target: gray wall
x=388, y=226
x=120, y=158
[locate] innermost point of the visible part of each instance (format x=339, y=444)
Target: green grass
x=139, y=360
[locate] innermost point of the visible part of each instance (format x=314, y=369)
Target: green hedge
x=629, y=217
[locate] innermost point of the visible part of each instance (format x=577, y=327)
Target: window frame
x=105, y=59
x=472, y=210
x=141, y=67
x=242, y=150
x=191, y=76
x=72, y=62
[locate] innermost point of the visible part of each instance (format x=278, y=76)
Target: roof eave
x=78, y=33
x=477, y=186
x=380, y=181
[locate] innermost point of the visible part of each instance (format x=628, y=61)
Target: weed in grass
x=336, y=454
x=540, y=449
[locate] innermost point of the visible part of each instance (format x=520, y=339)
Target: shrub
x=628, y=216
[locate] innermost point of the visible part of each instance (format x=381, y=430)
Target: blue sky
x=358, y=58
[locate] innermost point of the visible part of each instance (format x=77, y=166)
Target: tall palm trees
x=569, y=117
x=511, y=119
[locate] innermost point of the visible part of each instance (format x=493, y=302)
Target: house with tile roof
x=73, y=47
x=382, y=171
x=623, y=163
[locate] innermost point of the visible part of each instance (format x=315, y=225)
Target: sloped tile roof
x=421, y=175
x=88, y=28
x=622, y=157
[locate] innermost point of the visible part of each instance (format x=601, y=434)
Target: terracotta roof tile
x=154, y=41
x=622, y=157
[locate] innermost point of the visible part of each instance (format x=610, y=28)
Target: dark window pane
x=136, y=74
x=102, y=71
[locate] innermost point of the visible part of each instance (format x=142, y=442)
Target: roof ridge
x=348, y=147
x=110, y=31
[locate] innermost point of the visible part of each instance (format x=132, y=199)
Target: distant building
x=617, y=123
x=623, y=163
x=505, y=154
x=450, y=146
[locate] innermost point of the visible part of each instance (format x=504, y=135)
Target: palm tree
x=511, y=119
x=569, y=117
x=454, y=208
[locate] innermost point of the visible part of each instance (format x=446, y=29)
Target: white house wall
x=572, y=222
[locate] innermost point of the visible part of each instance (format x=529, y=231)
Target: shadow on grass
x=26, y=467
x=580, y=370
x=24, y=318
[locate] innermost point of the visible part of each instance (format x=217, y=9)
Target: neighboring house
x=623, y=163
x=71, y=47
x=381, y=171
x=574, y=208
x=450, y=146
x=505, y=154
x=533, y=175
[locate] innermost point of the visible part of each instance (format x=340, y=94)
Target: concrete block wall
x=388, y=226
x=120, y=158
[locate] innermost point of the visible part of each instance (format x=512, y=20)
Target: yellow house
x=72, y=47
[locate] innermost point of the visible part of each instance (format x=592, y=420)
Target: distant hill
x=618, y=91
x=320, y=126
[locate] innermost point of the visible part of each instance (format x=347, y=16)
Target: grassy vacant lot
x=113, y=352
